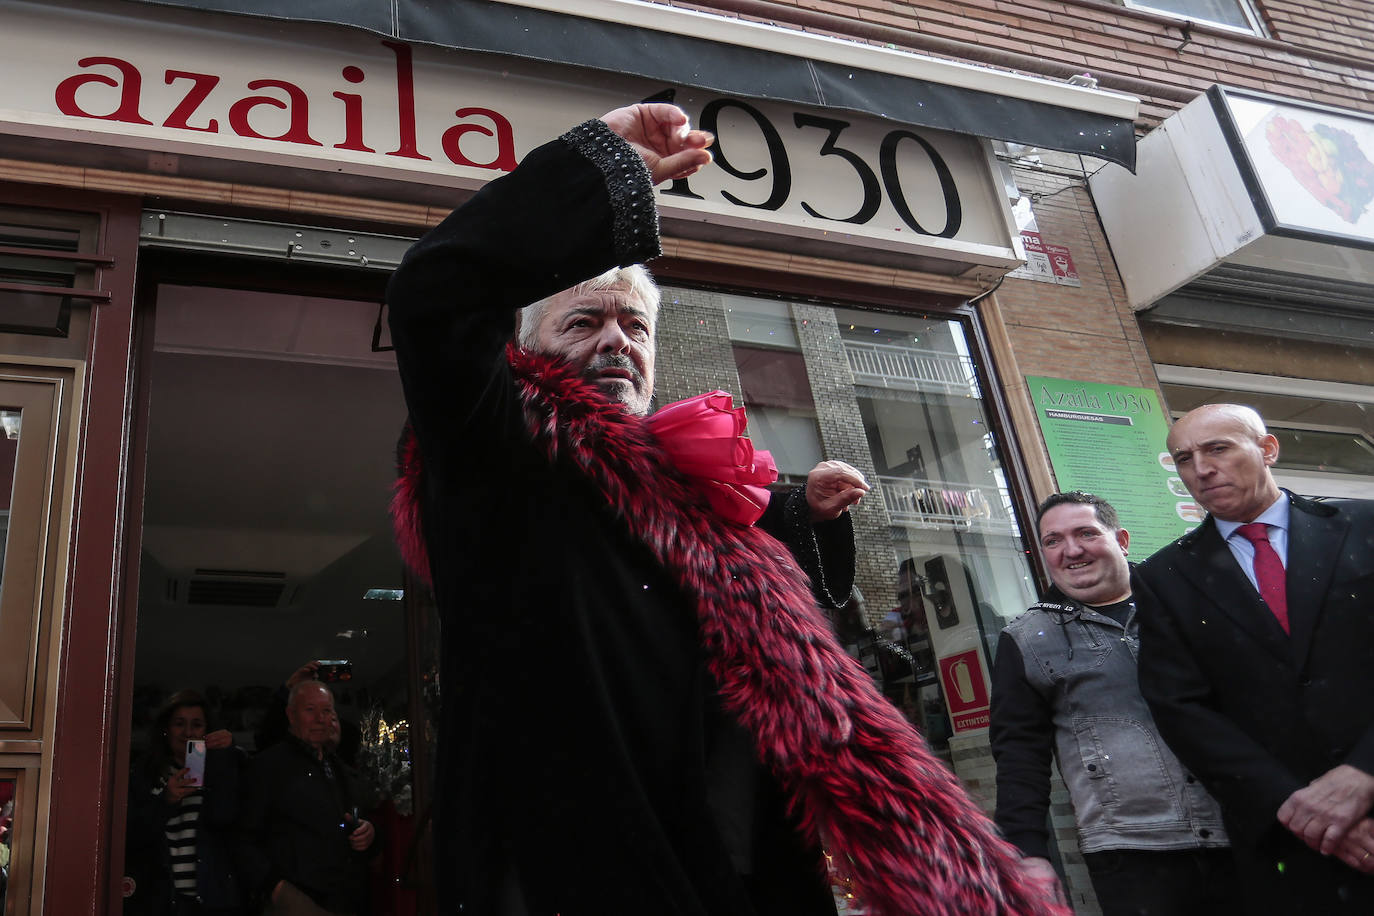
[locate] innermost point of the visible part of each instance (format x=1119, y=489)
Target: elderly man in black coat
x=303, y=847
x=644, y=711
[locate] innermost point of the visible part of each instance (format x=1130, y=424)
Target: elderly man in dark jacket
x=644, y=712
x=304, y=848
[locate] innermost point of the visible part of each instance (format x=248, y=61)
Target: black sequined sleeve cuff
x=825, y=550
x=629, y=187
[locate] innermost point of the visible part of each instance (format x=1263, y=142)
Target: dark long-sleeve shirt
x=1025, y=739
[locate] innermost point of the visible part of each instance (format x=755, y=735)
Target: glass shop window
x=773, y=379
x=942, y=566
x=961, y=571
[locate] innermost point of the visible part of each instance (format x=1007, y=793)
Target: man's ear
x=1269, y=447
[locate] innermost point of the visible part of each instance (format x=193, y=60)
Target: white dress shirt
x=1276, y=517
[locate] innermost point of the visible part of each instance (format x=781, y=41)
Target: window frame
x=1250, y=11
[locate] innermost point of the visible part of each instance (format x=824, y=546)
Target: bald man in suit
x=1257, y=660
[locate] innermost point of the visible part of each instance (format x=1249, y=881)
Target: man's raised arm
x=574, y=208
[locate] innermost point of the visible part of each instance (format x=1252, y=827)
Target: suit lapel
x=1210, y=565
x=1314, y=550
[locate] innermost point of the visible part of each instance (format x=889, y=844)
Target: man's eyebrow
x=1216, y=440
x=580, y=311
x=597, y=310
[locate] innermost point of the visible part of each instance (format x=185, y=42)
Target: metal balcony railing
x=917, y=503
x=909, y=369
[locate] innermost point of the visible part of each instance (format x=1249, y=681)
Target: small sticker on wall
x=1038, y=265
x=1065, y=274
x=1045, y=262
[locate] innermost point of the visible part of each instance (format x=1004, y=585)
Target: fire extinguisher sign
x=966, y=690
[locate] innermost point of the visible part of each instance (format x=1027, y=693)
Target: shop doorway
x=265, y=543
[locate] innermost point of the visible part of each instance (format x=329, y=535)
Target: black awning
x=679, y=60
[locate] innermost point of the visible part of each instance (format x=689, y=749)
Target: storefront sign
x=1268, y=198
x=1315, y=165
x=247, y=91
x=1109, y=440
x=966, y=690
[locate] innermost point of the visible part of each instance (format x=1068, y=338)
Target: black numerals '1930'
x=777, y=154
x=887, y=161
x=873, y=194
x=780, y=169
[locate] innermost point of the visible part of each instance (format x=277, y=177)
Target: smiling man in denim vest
x=1064, y=685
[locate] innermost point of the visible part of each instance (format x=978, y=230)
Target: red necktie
x=1268, y=570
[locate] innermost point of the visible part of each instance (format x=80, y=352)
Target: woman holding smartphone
x=183, y=802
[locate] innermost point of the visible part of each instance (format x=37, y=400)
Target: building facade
x=895, y=260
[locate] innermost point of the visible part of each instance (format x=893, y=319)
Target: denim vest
x=1129, y=791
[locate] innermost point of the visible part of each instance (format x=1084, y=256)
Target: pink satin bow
x=704, y=438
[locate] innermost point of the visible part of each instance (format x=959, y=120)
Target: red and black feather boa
x=862, y=781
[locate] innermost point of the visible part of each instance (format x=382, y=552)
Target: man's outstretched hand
x=663, y=136
x=831, y=488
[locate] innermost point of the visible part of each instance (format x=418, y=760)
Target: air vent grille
x=231, y=588
x=234, y=592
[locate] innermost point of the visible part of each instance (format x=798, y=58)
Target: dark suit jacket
x=1255, y=713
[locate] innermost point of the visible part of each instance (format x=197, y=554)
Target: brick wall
x=1085, y=332
x=1341, y=26
x=1321, y=50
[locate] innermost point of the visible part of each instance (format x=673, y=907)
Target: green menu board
x=1109, y=440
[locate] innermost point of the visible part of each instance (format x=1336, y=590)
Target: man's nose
x=613, y=339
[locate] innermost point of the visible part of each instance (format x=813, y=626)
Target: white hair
x=635, y=279
x=301, y=686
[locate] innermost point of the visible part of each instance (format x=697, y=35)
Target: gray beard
x=615, y=361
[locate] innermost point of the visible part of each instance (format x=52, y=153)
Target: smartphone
x=334, y=669
x=195, y=762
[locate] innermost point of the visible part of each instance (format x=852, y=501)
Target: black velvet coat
x=583, y=754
